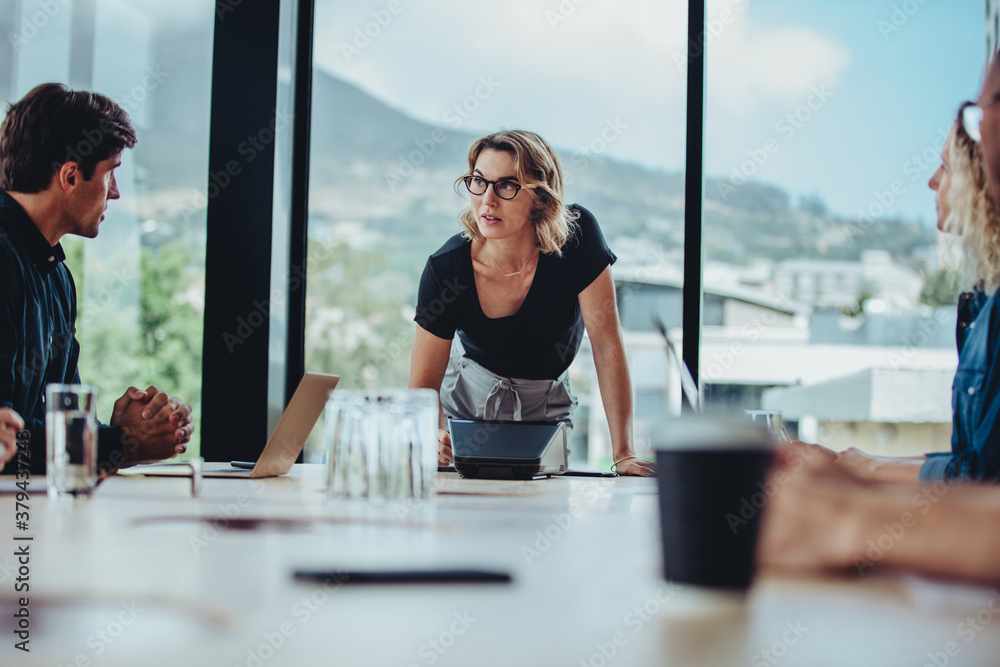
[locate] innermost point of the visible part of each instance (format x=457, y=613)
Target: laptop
x=282, y=448
x=508, y=449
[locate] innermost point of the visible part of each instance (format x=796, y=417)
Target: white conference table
x=136, y=576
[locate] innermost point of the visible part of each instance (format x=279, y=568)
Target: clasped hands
x=155, y=426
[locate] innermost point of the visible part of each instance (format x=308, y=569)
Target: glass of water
x=71, y=440
x=772, y=421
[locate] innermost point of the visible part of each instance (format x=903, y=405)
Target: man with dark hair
x=58, y=153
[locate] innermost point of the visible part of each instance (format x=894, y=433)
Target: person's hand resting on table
x=155, y=426
x=822, y=518
x=10, y=424
x=861, y=465
x=635, y=467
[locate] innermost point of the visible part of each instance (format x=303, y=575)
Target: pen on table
x=405, y=576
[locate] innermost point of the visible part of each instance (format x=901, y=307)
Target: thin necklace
x=516, y=273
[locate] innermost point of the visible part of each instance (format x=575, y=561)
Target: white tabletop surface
x=135, y=576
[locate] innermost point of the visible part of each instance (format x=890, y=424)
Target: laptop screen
x=501, y=440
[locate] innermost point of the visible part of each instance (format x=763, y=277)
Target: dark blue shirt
x=975, y=396
x=38, y=330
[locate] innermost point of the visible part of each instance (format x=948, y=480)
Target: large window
x=401, y=92
x=141, y=282
x=829, y=293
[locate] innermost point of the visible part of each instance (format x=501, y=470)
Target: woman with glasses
x=964, y=207
x=518, y=286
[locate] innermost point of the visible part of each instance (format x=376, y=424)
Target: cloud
x=752, y=67
x=567, y=66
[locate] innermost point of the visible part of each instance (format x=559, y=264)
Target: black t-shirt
x=539, y=341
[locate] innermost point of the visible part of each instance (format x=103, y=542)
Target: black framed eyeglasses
x=503, y=188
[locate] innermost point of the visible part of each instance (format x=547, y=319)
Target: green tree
x=942, y=288
x=359, y=317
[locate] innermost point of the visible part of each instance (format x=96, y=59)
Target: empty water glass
x=381, y=446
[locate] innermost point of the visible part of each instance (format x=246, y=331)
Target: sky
x=845, y=100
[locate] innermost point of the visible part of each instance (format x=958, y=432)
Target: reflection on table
x=145, y=574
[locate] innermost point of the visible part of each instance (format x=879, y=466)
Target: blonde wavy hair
x=537, y=169
x=973, y=211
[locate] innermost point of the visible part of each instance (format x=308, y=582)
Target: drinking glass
x=71, y=440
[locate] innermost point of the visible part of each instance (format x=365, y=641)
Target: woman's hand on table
x=814, y=518
x=636, y=467
x=445, y=457
x=816, y=456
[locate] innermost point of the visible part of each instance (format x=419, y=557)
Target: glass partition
x=141, y=282
x=401, y=92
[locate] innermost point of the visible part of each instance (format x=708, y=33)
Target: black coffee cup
x=712, y=476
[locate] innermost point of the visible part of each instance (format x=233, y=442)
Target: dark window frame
x=240, y=227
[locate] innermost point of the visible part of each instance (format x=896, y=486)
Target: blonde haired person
x=822, y=518
x=518, y=286
x=964, y=206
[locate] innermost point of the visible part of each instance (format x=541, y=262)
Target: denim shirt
x=38, y=342
x=975, y=435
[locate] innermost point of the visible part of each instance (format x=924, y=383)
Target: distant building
x=879, y=381
x=643, y=295
x=838, y=284
x=883, y=410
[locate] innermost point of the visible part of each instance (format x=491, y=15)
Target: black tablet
x=508, y=449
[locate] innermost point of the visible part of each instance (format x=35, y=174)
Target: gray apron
x=470, y=391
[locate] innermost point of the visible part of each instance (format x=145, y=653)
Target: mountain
x=376, y=168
